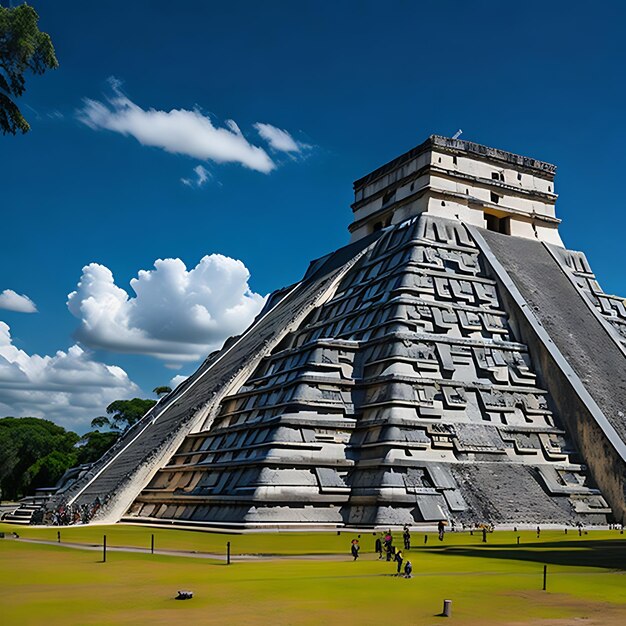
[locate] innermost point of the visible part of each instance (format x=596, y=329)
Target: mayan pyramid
x=454, y=361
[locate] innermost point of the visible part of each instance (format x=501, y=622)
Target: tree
x=94, y=444
x=123, y=414
x=33, y=453
x=23, y=47
x=162, y=391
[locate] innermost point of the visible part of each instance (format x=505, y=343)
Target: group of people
x=385, y=548
x=384, y=544
x=67, y=514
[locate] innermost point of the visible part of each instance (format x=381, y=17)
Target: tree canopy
x=23, y=47
x=162, y=391
x=123, y=414
x=33, y=453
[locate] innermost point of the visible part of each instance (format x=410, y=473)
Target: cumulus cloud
x=13, y=301
x=178, y=131
x=177, y=380
x=202, y=176
x=69, y=388
x=175, y=315
x=279, y=139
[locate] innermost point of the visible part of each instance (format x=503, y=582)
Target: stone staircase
x=22, y=515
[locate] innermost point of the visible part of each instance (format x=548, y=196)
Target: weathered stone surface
x=413, y=395
x=402, y=381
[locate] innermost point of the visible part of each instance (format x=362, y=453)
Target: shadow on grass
x=589, y=553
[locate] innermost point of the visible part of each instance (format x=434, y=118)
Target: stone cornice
x=460, y=147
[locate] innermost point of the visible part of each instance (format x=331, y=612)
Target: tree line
x=35, y=452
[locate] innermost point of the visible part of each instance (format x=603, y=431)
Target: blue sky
x=352, y=83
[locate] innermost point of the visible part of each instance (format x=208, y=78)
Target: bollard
x=518, y=540
x=228, y=553
x=152, y=544
x=425, y=539
x=545, y=577
x=59, y=536
x=447, y=608
x=104, y=549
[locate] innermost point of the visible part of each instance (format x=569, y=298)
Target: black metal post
x=104, y=549
x=228, y=553
x=518, y=540
x=152, y=544
x=59, y=536
x=545, y=577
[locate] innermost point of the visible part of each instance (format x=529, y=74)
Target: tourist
x=399, y=560
x=408, y=569
x=355, y=549
x=406, y=535
x=388, y=544
x=538, y=532
x=441, y=527
x=379, y=547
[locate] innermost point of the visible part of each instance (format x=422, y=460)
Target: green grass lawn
x=550, y=543
x=496, y=583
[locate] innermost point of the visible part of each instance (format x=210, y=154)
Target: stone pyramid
x=454, y=361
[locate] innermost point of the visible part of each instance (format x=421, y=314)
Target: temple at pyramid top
x=458, y=179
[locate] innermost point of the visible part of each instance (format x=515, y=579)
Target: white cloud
x=15, y=302
x=279, y=139
x=178, y=131
x=202, y=176
x=176, y=314
x=177, y=380
x=69, y=388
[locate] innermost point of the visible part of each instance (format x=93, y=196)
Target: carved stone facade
x=400, y=382
x=404, y=398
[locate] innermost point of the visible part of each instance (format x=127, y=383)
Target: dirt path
x=219, y=556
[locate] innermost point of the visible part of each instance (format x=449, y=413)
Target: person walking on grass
x=406, y=535
x=379, y=547
x=441, y=527
x=399, y=559
x=408, y=569
x=355, y=549
x=388, y=545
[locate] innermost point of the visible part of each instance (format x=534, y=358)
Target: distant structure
x=454, y=361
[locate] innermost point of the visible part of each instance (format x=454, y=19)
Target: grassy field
x=494, y=583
